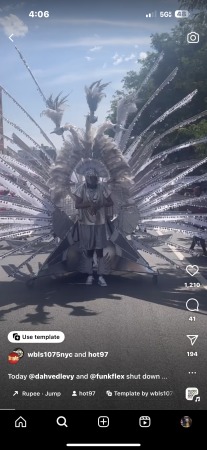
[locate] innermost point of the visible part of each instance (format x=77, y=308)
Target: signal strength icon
x=151, y=15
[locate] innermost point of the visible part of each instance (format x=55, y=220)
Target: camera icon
x=193, y=38
x=16, y=336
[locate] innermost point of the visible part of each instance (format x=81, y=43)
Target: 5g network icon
x=193, y=38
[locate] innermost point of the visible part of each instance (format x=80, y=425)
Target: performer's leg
x=100, y=271
x=99, y=252
x=203, y=245
x=90, y=266
x=194, y=242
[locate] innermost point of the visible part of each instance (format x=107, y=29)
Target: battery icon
x=181, y=13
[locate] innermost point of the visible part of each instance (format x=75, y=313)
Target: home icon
x=20, y=422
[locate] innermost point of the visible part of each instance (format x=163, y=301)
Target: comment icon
x=192, y=305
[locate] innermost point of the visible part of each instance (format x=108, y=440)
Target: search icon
x=61, y=421
x=192, y=304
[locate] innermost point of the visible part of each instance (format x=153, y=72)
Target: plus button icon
x=103, y=421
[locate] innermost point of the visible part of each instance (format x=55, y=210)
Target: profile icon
x=186, y=422
x=15, y=356
x=19, y=352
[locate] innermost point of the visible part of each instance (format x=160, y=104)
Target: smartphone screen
x=103, y=205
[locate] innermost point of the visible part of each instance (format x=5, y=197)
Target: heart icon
x=192, y=270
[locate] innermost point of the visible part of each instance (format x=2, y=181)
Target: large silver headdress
x=94, y=165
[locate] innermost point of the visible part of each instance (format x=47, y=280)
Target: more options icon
x=144, y=421
x=193, y=38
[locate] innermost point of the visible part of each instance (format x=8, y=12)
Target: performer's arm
x=108, y=201
x=80, y=204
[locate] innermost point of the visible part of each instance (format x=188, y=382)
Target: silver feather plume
x=147, y=192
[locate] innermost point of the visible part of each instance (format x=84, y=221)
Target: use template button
x=36, y=336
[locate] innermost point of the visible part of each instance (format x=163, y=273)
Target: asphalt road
x=142, y=327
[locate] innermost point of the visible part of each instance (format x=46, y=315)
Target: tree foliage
x=191, y=61
x=193, y=4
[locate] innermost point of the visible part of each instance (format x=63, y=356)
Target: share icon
x=192, y=337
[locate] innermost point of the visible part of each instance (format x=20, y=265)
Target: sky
x=80, y=42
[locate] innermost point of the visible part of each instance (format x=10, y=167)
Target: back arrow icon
x=10, y=37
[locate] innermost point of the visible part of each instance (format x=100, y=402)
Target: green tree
x=193, y=5
x=192, y=68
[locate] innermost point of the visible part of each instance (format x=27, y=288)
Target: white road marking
x=202, y=280
x=181, y=257
x=159, y=232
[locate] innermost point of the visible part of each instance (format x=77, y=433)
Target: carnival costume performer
x=92, y=201
x=121, y=169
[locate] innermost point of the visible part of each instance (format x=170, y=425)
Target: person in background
x=197, y=239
